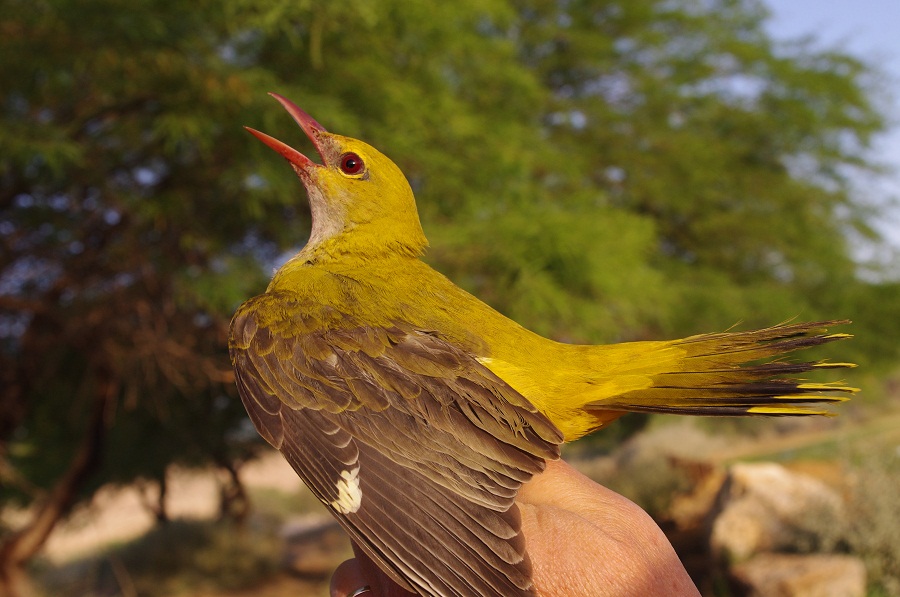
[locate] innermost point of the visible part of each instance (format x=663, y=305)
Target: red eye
x=351, y=163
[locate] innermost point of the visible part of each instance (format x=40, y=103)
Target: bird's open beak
x=312, y=129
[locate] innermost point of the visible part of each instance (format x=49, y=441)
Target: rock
x=690, y=510
x=764, y=507
x=789, y=575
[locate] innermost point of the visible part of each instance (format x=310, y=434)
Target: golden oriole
x=415, y=412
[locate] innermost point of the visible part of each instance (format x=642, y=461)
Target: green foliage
x=727, y=142
x=551, y=272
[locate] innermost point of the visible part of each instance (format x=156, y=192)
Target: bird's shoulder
x=310, y=300
x=379, y=293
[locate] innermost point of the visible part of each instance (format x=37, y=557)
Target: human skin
x=583, y=539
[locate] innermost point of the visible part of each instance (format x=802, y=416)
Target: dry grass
x=874, y=529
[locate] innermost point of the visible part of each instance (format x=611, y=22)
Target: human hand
x=582, y=538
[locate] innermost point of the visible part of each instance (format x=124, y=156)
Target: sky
x=867, y=29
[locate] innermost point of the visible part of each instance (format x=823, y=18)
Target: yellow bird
x=415, y=412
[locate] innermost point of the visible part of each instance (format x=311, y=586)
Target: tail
x=737, y=373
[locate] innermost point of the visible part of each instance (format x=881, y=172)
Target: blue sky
x=869, y=29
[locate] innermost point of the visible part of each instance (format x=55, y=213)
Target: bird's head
x=360, y=201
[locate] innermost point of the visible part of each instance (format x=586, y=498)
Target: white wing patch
x=349, y=494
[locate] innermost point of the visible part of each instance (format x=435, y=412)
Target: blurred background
x=599, y=170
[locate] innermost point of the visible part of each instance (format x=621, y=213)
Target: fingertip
x=347, y=579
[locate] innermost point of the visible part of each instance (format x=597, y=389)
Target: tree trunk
x=19, y=547
x=234, y=503
x=162, y=512
x=155, y=505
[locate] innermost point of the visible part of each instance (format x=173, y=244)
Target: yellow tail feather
x=736, y=373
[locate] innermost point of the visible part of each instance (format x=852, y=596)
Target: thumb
x=360, y=572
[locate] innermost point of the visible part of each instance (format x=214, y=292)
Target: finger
x=348, y=579
x=380, y=583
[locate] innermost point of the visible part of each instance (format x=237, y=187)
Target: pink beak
x=309, y=126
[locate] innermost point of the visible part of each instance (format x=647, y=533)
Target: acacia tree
x=125, y=212
x=598, y=170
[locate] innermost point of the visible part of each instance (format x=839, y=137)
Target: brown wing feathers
x=433, y=537
x=438, y=445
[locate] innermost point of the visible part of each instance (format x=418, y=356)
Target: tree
x=598, y=170
x=125, y=223
x=687, y=114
